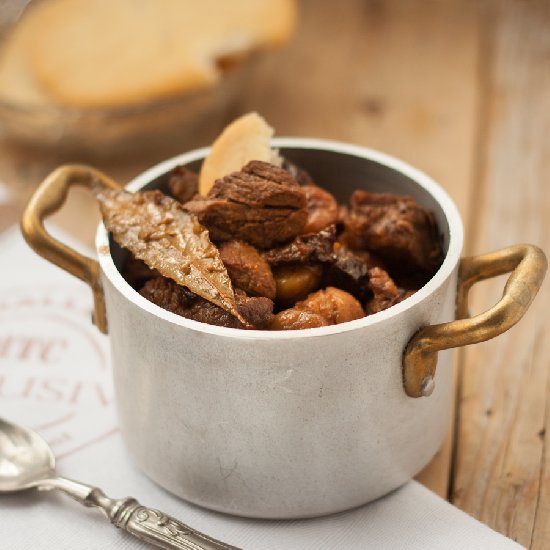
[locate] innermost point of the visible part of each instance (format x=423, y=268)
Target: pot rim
x=456, y=236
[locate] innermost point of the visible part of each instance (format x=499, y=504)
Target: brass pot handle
x=47, y=199
x=528, y=265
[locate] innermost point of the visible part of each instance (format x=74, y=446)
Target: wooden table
x=461, y=89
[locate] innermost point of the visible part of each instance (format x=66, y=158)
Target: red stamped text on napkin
x=54, y=368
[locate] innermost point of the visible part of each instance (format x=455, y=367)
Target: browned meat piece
x=260, y=185
x=342, y=253
x=261, y=205
x=312, y=246
x=322, y=209
x=395, y=227
x=168, y=295
x=248, y=269
x=330, y=306
x=296, y=281
x=258, y=312
x=349, y=270
x=261, y=227
x=183, y=183
x=386, y=293
x=300, y=175
x=270, y=172
x=137, y=272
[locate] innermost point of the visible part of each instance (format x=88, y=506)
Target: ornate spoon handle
x=161, y=530
x=147, y=524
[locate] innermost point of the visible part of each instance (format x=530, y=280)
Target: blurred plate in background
x=32, y=114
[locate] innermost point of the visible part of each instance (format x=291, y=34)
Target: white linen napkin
x=55, y=378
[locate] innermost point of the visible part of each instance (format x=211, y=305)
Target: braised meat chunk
x=395, y=227
x=137, y=272
x=270, y=172
x=257, y=311
x=167, y=294
x=307, y=247
x=260, y=227
x=349, y=270
x=248, y=269
x=183, y=183
x=385, y=291
x=261, y=205
x=260, y=185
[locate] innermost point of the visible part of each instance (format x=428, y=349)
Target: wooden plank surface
x=503, y=458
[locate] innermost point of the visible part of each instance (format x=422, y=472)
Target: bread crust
x=246, y=138
x=97, y=53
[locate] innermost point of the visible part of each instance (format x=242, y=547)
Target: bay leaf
x=155, y=229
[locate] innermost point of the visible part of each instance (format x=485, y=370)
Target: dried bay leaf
x=158, y=231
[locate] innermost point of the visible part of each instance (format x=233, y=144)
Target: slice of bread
x=91, y=53
x=245, y=139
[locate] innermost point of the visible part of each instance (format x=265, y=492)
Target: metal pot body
x=290, y=424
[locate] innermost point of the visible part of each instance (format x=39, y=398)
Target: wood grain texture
x=503, y=452
x=396, y=76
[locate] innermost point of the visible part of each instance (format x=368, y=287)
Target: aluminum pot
x=290, y=424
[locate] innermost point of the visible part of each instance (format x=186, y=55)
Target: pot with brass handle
x=293, y=423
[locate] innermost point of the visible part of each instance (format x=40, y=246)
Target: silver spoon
x=27, y=462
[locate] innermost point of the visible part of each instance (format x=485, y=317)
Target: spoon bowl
x=25, y=458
